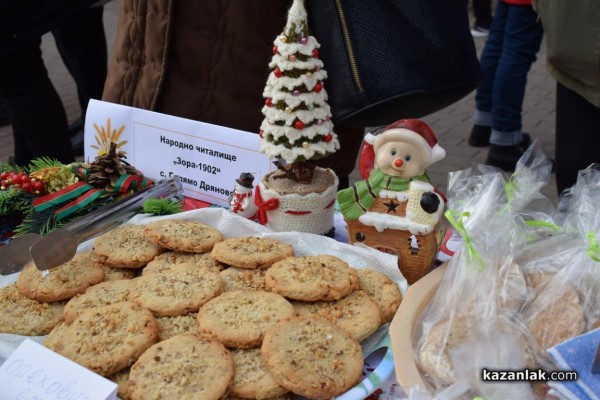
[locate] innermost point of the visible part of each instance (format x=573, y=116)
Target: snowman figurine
x=241, y=201
x=396, y=209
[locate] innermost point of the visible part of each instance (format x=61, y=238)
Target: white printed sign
x=33, y=372
x=208, y=158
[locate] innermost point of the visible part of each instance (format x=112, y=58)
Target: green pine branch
x=14, y=201
x=163, y=206
x=10, y=167
x=43, y=162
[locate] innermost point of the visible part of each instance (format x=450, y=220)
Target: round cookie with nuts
x=110, y=338
x=251, y=379
x=181, y=290
x=381, y=289
x=183, y=367
x=62, y=282
x=102, y=294
x=251, y=252
x=182, y=235
x=357, y=313
x=312, y=278
x=23, y=316
x=125, y=247
x=312, y=357
x=239, y=318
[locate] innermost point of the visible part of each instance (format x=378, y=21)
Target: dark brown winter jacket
x=205, y=60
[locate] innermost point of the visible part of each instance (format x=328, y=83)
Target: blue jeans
x=513, y=42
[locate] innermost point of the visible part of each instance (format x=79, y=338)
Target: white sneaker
x=479, y=31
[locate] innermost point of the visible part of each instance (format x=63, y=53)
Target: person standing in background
x=482, y=11
x=510, y=50
x=81, y=43
x=40, y=126
x=573, y=59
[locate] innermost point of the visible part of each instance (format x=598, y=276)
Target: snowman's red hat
x=413, y=131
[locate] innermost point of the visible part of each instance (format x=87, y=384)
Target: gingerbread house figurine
x=396, y=209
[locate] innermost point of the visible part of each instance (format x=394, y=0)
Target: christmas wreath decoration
x=48, y=194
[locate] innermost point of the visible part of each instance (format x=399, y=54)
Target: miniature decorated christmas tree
x=297, y=127
x=297, y=130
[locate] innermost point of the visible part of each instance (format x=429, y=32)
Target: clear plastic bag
x=566, y=289
x=473, y=321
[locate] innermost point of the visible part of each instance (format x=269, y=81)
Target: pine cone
x=106, y=169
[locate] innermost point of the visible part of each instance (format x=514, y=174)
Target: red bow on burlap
x=264, y=206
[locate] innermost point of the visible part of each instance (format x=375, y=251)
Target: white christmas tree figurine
x=297, y=127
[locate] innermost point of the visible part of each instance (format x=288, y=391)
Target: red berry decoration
x=269, y=102
x=299, y=124
x=278, y=72
x=275, y=50
x=15, y=180
x=315, y=53
x=328, y=138
x=318, y=87
x=261, y=134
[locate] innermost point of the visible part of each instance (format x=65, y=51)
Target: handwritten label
x=33, y=372
x=208, y=158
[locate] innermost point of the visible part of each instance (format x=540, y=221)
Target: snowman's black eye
x=408, y=157
x=393, y=152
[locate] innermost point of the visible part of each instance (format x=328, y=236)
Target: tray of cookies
x=206, y=304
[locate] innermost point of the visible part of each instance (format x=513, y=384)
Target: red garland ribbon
x=264, y=206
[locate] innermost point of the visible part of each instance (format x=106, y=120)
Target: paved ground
x=452, y=124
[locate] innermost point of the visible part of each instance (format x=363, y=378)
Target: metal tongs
x=60, y=245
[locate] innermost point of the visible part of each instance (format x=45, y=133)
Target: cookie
x=312, y=278
x=55, y=335
x=312, y=357
x=251, y=379
x=60, y=283
x=110, y=338
x=102, y=294
x=178, y=325
x=434, y=358
x=381, y=289
x=115, y=274
x=183, y=367
x=251, y=252
x=121, y=378
x=357, y=313
x=182, y=235
x=239, y=319
x=552, y=320
x=182, y=290
x=125, y=247
x=165, y=261
x=234, y=278
x=23, y=316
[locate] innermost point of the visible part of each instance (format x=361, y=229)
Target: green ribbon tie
x=593, y=249
x=536, y=223
x=460, y=228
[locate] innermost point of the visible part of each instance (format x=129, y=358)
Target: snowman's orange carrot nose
x=398, y=162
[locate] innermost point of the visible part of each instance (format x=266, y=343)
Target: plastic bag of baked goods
x=565, y=301
x=472, y=321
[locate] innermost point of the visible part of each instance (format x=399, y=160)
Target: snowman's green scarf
x=358, y=198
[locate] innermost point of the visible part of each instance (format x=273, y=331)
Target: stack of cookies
x=173, y=309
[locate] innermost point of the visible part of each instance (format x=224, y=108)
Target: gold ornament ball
x=305, y=144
